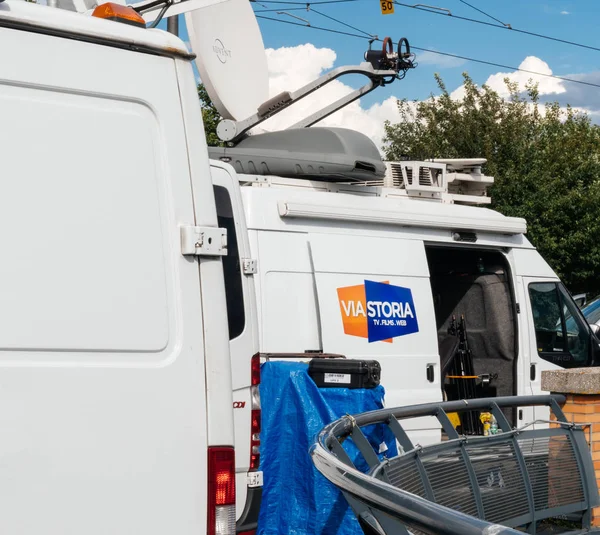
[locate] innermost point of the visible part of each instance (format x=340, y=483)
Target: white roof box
x=332, y=154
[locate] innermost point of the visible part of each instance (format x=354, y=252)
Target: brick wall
x=582, y=409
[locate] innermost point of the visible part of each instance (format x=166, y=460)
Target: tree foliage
x=210, y=116
x=545, y=161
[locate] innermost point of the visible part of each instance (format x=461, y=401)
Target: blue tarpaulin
x=296, y=499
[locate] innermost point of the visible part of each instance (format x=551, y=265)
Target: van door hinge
x=518, y=308
x=203, y=241
x=249, y=266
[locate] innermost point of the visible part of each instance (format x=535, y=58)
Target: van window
x=561, y=333
x=231, y=265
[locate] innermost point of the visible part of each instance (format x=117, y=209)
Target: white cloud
x=565, y=12
x=547, y=86
x=292, y=67
x=444, y=62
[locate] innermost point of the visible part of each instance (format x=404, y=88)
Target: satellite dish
x=231, y=57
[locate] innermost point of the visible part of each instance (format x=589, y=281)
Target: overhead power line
x=314, y=27
x=493, y=64
x=502, y=26
x=290, y=2
x=369, y=35
x=279, y=10
x=445, y=13
x=447, y=54
x=484, y=13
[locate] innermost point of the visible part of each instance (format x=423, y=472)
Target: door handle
x=430, y=373
x=532, y=372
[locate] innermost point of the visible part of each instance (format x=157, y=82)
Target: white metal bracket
x=249, y=266
x=254, y=479
x=203, y=241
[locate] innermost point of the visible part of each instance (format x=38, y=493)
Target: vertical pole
x=173, y=25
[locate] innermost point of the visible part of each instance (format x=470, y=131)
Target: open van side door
x=375, y=302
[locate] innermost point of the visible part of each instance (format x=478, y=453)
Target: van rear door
x=243, y=340
x=375, y=302
x=103, y=413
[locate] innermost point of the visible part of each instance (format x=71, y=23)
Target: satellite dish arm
x=229, y=130
x=338, y=104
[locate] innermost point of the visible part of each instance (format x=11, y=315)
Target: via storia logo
x=377, y=311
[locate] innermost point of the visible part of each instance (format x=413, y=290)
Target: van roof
x=31, y=17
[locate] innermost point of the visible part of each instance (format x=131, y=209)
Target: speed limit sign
x=387, y=7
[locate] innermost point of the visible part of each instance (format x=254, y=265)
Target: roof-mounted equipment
x=443, y=180
x=382, y=67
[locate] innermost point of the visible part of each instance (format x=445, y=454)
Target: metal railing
x=475, y=485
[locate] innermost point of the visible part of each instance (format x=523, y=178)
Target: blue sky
x=576, y=21
x=571, y=20
x=445, y=34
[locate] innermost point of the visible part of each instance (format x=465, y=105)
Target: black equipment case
x=344, y=373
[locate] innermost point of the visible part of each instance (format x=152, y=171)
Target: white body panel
x=346, y=261
x=106, y=356
x=303, y=261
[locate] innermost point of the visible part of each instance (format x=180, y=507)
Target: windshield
x=562, y=334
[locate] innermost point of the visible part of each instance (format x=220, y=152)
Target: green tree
x=545, y=161
x=210, y=116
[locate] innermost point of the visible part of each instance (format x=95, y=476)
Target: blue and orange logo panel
x=378, y=311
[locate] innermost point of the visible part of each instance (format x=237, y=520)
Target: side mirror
x=580, y=300
x=595, y=329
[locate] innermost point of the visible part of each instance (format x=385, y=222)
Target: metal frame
x=388, y=510
x=230, y=130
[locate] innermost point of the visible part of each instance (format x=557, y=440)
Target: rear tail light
x=221, y=491
x=255, y=424
x=255, y=370
x=255, y=440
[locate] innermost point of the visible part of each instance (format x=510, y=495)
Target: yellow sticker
x=387, y=7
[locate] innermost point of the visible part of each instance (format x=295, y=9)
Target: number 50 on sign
x=387, y=7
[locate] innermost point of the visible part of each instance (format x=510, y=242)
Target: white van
x=376, y=270
x=115, y=389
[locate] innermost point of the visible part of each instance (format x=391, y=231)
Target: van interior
x=474, y=284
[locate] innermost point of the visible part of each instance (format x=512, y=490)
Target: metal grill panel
x=517, y=478
x=403, y=473
x=553, y=471
x=449, y=480
x=500, y=481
